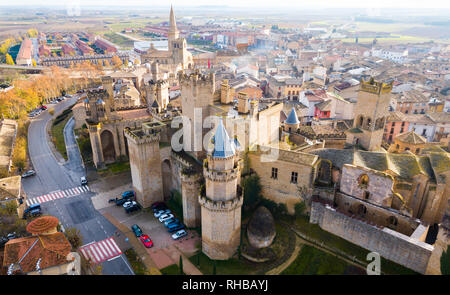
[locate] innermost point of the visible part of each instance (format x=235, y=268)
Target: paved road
x=52, y=176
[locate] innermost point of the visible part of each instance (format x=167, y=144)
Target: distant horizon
x=257, y=4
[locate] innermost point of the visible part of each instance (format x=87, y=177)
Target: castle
x=382, y=201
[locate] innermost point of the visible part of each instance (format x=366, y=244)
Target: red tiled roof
x=52, y=250
x=133, y=114
x=25, y=49
x=42, y=224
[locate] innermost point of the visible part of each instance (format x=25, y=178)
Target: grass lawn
x=223, y=267
x=312, y=261
x=136, y=264
x=119, y=40
x=315, y=232
x=57, y=132
x=115, y=168
x=170, y=270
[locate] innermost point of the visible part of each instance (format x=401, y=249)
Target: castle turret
x=291, y=124
x=222, y=199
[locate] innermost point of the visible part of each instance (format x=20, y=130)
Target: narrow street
x=57, y=187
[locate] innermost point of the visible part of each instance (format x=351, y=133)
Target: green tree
x=252, y=191
x=445, y=262
x=74, y=237
x=299, y=209
x=9, y=59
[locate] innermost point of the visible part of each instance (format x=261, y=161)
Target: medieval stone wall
x=389, y=244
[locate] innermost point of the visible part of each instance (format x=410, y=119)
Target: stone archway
x=166, y=171
x=109, y=152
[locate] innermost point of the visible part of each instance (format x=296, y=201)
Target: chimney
x=225, y=93
x=243, y=103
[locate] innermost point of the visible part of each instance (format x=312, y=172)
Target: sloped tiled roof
x=10, y=187
x=411, y=137
x=52, y=250
x=406, y=165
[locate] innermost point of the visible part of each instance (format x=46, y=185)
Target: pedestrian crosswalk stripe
x=101, y=251
x=58, y=195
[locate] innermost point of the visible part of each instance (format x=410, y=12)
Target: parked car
x=32, y=211
x=159, y=208
x=137, y=230
x=126, y=198
x=132, y=208
x=174, y=224
x=146, y=241
x=161, y=212
x=84, y=180
x=12, y=236
x=176, y=228
x=129, y=204
x=128, y=194
x=170, y=221
x=29, y=173
x=179, y=234
x=165, y=217
x=157, y=205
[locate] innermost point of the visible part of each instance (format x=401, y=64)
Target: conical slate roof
x=292, y=118
x=223, y=145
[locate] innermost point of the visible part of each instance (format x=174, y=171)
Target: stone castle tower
x=221, y=201
x=145, y=162
x=197, y=93
x=371, y=112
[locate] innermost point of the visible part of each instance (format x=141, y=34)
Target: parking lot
x=165, y=250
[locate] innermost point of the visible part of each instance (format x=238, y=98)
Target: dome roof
x=292, y=118
x=42, y=224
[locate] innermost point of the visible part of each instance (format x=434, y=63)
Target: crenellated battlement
x=221, y=176
x=376, y=87
x=221, y=205
x=97, y=93
x=150, y=132
x=196, y=79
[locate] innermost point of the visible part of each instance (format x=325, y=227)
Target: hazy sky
x=244, y=3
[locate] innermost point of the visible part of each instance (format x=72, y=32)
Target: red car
x=146, y=241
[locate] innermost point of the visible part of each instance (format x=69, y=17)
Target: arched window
x=362, y=210
x=368, y=123
x=363, y=180
x=392, y=220
x=360, y=121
